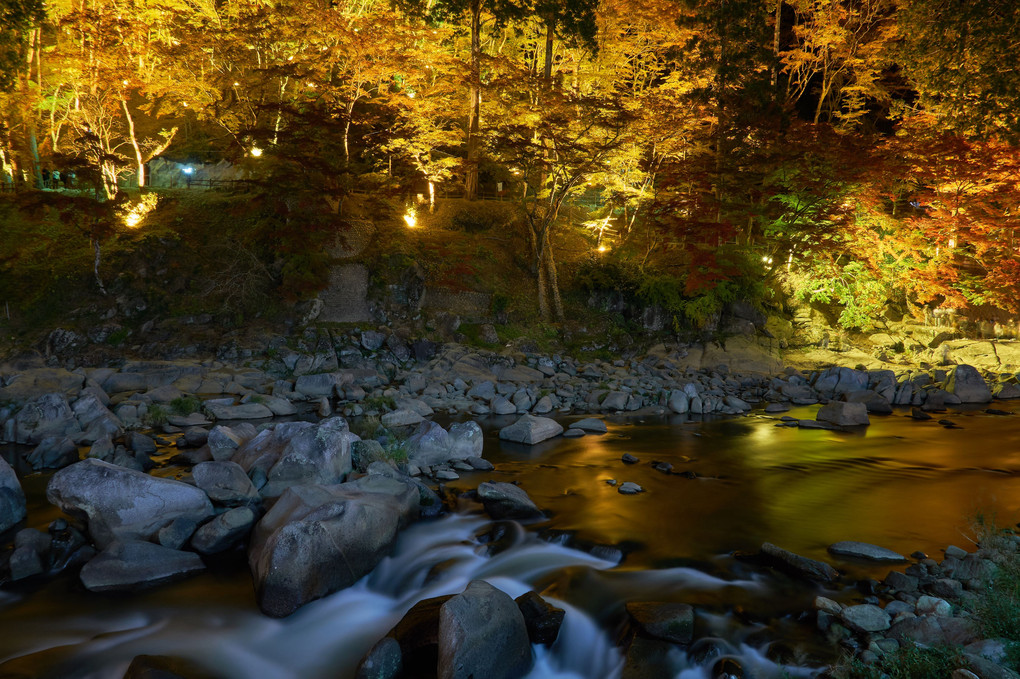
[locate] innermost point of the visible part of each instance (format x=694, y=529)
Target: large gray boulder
x=48, y=415
x=296, y=453
x=225, y=483
x=319, y=539
x=53, y=452
x=843, y=414
x=482, y=633
x=866, y=551
x=223, y=532
x=530, y=430
x=123, y=504
x=798, y=565
x=95, y=418
x=966, y=383
x=431, y=444
x=12, y=498
x=507, y=501
x=134, y=564
x=244, y=411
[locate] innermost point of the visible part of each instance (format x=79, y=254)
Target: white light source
x=188, y=170
x=256, y=152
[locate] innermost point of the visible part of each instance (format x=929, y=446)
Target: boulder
x=29, y=384
x=223, y=532
x=245, y=411
x=542, y=619
x=507, y=501
x=12, y=498
x=383, y=661
x=865, y=618
x=314, y=386
x=670, y=622
x=53, y=452
x=966, y=383
x=134, y=564
x=122, y=504
x=843, y=414
x=530, y=430
x=402, y=418
x=482, y=633
x=679, y=402
x=279, y=406
x=295, y=453
x=95, y=418
x=49, y=415
x=863, y=550
x=319, y=539
x=591, y=424
x=466, y=440
x=798, y=565
x=225, y=483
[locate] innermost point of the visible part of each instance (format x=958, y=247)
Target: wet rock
x=507, y=501
x=479, y=464
x=954, y=552
x=482, y=633
x=319, y=539
x=865, y=618
x=49, y=415
x=901, y=582
x=24, y=563
x=542, y=619
x=843, y=414
x=244, y=411
x=224, y=531
x=670, y=622
x=53, y=452
x=295, y=453
x=798, y=565
x=918, y=414
x=164, y=667
x=122, y=504
x=591, y=424
x=133, y=564
x=966, y=383
x=402, y=418
x=627, y=458
x=866, y=551
x=573, y=433
x=530, y=430
x=629, y=488
x=383, y=661
x=728, y=668
x=140, y=443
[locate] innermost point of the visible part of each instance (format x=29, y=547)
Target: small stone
x=865, y=618
x=573, y=433
x=630, y=488
x=952, y=551
x=629, y=459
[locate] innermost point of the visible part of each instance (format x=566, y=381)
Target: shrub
x=909, y=662
x=155, y=416
x=185, y=405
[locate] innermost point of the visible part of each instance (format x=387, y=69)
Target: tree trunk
x=775, y=44
x=553, y=280
x=474, y=104
x=140, y=163
x=550, y=35
x=95, y=264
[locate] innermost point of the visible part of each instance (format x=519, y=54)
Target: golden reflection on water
x=899, y=483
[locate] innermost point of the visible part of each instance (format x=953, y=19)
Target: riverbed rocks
x=482, y=633
x=843, y=414
x=133, y=564
x=797, y=565
x=507, y=501
x=530, y=430
x=318, y=539
x=865, y=551
x=12, y=498
x=123, y=504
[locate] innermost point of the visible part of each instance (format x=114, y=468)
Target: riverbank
x=247, y=464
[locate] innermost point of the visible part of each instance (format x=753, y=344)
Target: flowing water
x=903, y=484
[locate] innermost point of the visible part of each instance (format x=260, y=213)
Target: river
x=903, y=484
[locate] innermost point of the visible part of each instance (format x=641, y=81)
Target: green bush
x=155, y=416
x=380, y=403
x=185, y=405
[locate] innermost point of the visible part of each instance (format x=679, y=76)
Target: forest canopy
x=860, y=150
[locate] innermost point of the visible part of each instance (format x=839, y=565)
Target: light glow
x=411, y=218
x=256, y=152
